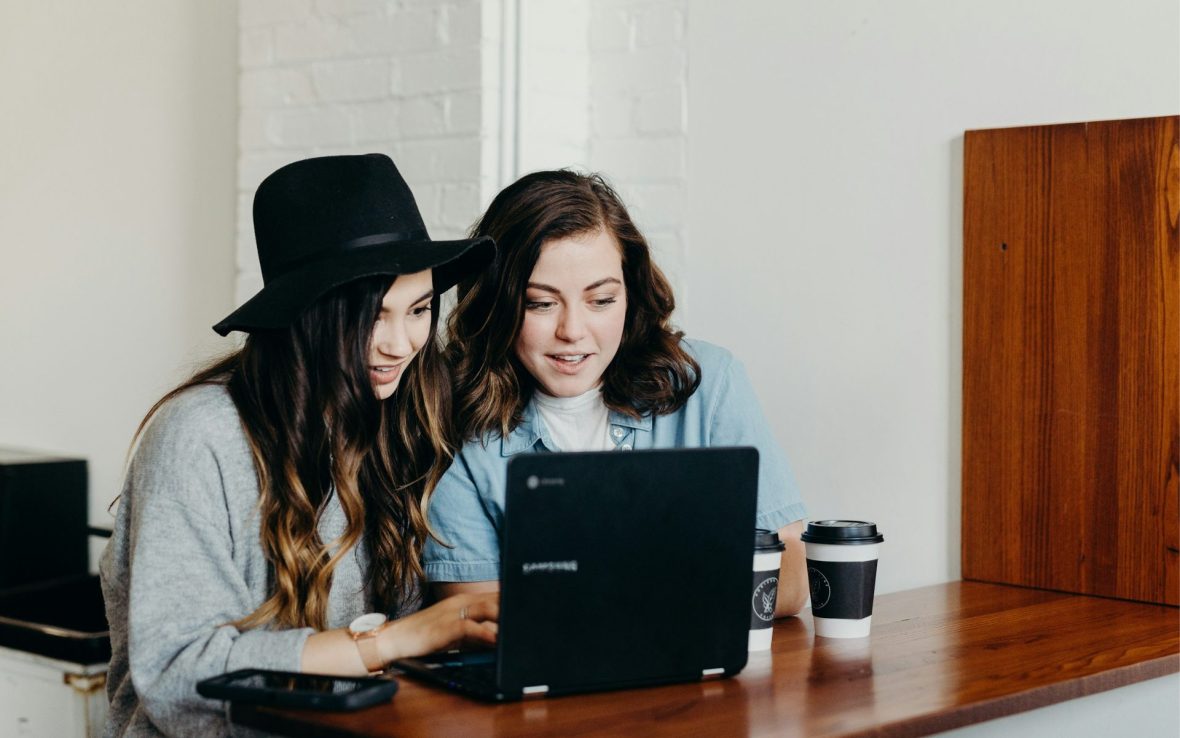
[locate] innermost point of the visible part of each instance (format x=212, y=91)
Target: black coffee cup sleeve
x=842, y=589
x=764, y=598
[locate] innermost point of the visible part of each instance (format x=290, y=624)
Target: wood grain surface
x=1071, y=358
x=939, y=657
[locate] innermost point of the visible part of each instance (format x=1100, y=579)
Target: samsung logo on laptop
x=549, y=567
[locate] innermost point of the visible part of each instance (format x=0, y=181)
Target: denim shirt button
x=625, y=447
x=617, y=432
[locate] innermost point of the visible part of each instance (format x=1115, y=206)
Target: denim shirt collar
x=532, y=431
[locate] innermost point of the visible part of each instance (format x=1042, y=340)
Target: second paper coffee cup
x=842, y=571
x=768, y=556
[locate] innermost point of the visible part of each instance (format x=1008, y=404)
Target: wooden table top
x=939, y=657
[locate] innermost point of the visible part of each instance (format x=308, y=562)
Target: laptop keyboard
x=480, y=677
x=470, y=672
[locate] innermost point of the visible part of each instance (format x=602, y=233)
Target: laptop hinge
x=712, y=673
x=538, y=691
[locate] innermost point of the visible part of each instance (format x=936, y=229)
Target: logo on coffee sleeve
x=765, y=595
x=821, y=590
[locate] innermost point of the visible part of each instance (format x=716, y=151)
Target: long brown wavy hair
x=315, y=428
x=651, y=373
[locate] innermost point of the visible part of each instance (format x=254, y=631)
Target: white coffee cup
x=842, y=571
x=768, y=556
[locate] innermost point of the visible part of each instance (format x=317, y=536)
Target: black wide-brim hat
x=323, y=222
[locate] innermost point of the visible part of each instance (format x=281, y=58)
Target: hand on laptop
x=465, y=619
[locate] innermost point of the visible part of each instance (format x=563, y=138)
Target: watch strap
x=366, y=644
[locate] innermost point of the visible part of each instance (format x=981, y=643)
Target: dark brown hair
x=314, y=425
x=651, y=373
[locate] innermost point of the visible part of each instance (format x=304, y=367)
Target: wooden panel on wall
x=1071, y=358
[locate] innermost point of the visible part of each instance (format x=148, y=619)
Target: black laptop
x=617, y=569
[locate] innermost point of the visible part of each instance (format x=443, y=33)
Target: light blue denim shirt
x=467, y=508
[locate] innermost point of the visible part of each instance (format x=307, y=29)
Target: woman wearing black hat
x=272, y=515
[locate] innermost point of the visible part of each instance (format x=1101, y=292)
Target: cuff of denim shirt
x=462, y=571
x=775, y=519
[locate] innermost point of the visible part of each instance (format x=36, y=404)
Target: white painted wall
x=602, y=87
x=553, y=88
x=405, y=79
x=117, y=155
x=825, y=211
x=638, y=120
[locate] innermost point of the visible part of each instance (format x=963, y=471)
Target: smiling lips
x=385, y=374
x=567, y=363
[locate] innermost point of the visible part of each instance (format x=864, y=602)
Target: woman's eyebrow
x=426, y=296
x=554, y=290
x=600, y=283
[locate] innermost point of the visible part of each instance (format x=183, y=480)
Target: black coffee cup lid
x=767, y=540
x=842, y=532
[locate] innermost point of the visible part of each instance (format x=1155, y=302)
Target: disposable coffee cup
x=842, y=571
x=768, y=556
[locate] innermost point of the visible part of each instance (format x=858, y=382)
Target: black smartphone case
x=369, y=691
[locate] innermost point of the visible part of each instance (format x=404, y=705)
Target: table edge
x=1019, y=702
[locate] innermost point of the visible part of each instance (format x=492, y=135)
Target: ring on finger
x=463, y=613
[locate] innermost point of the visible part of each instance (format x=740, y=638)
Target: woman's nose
x=571, y=326
x=392, y=339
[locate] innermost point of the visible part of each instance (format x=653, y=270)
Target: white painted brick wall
x=423, y=117
x=660, y=24
x=602, y=88
x=463, y=112
x=497, y=108
x=640, y=159
x=376, y=122
x=638, y=119
x=404, y=78
x=460, y=205
x=461, y=23
x=441, y=71
x=351, y=81
x=662, y=111
x=600, y=83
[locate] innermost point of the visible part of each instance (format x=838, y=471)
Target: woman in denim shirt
x=565, y=345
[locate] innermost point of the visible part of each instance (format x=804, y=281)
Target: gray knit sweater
x=185, y=559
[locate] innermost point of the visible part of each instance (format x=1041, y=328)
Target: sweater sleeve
x=185, y=585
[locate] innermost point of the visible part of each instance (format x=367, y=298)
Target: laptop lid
x=625, y=568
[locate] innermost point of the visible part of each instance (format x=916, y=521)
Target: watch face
x=368, y=622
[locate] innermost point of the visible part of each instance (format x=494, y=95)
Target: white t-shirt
x=576, y=423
